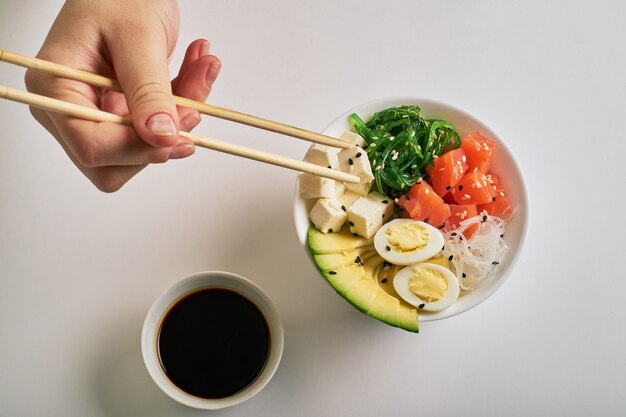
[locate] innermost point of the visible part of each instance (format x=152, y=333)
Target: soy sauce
x=213, y=343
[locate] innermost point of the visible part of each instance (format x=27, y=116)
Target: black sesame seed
x=484, y=218
x=387, y=248
x=495, y=263
x=453, y=234
x=344, y=208
x=426, y=220
x=502, y=235
x=358, y=155
x=329, y=167
x=351, y=224
x=451, y=257
x=448, y=187
x=332, y=272
x=330, y=230
x=350, y=161
x=464, y=274
x=382, y=281
x=460, y=237
x=442, y=226
x=460, y=188
x=385, y=201
x=421, y=306
x=383, y=215
x=493, y=199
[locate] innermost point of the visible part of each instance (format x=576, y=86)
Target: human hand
x=132, y=41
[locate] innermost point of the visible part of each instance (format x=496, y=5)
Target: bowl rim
x=524, y=211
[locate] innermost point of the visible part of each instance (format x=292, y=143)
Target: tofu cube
x=340, y=188
x=323, y=156
x=360, y=189
x=355, y=161
x=368, y=213
x=313, y=186
x=348, y=198
x=385, y=202
x=354, y=138
x=327, y=215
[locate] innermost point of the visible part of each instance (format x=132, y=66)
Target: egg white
x=401, y=285
x=388, y=253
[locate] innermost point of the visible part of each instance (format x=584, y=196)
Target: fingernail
x=190, y=121
x=211, y=74
x=161, y=124
x=182, y=150
x=205, y=49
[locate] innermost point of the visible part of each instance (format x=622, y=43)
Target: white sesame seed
x=466, y=196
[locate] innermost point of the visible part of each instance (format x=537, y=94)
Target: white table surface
x=80, y=268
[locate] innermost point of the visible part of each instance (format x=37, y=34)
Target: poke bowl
x=353, y=251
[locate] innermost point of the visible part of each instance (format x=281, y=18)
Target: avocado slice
x=360, y=283
x=361, y=293
x=341, y=241
x=331, y=261
x=385, y=307
x=343, y=277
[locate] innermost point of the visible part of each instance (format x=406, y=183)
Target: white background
x=79, y=268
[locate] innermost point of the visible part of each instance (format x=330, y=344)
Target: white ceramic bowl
x=201, y=280
x=504, y=164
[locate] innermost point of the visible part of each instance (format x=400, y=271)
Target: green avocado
x=357, y=273
x=342, y=241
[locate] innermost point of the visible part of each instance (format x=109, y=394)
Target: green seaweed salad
x=401, y=143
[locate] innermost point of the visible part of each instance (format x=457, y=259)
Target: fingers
x=196, y=85
x=139, y=54
x=195, y=50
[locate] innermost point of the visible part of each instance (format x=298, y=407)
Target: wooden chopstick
x=220, y=112
x=95, y=115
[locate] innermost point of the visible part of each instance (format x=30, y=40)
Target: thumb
x=141, y=66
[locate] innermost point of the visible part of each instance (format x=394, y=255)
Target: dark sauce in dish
x=213, y=343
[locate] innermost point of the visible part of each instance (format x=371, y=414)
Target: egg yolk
x=428, y=285
x=407, y=237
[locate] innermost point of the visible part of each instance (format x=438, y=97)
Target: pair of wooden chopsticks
x=74, y=110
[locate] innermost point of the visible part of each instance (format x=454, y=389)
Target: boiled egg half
x=427, y=286
x=406, y=241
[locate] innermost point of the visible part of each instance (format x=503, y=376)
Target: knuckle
x=149, y=93
x=89, y=154
x=160, y=156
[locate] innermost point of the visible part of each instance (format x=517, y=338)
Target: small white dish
x=503, y=163
x=195, y=282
